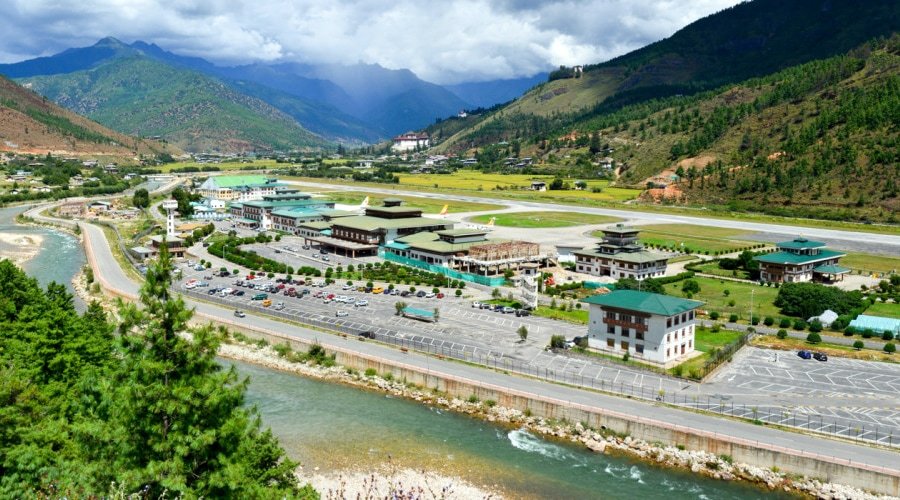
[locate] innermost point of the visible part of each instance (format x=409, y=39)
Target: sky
x=441, y=41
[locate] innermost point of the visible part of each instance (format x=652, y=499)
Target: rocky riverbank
x=20, y=247
x=352, y=482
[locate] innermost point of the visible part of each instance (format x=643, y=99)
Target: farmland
x=543, y=219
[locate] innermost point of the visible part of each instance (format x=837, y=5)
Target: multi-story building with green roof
x=620, y=255
x=801, y=260
x=238, y=187
x=648, y=326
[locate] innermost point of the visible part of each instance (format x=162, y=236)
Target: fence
x=491, y=281
x=756, y=414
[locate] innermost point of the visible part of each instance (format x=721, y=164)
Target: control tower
x=170, y=206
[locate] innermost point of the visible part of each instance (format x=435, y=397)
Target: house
x=260, y=213
x=410, y=141
x=801, y=260
x=620, y=255
x=648, y=326
x=538, y=186
x=99, y=206
x=174, y=244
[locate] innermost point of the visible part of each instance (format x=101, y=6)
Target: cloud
x=443, y=42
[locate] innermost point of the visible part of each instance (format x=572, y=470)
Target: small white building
x=648, y=326
x=410, y=141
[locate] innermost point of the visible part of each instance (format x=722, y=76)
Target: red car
x=440, y=295
x=280, y=286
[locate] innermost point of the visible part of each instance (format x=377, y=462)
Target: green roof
x=792, y=258
x=296, y=213
x=800, y=243
x=832, y=269
x=287, y=203
x=652, y=303
x=461, y=232
x=369, y=223
x=319, y=224
x=232, y=181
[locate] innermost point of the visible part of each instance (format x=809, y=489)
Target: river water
x=335, y=427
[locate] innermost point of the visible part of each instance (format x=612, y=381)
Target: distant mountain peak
x=110, y=42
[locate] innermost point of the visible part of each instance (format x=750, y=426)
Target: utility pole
x=751, y=307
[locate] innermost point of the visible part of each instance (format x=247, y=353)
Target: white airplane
x=365, y=203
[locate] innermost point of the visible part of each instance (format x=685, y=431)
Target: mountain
x=139, y=95
x=489, y=93
x=750, y=39
x=31, y=124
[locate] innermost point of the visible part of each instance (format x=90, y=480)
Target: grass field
x=514, y=185
x=695, y=239
x=427, y=205
x=871, y=263
x=885, y=310
x=225, y=167
x=712, y=293
x=705, y=341
x=713, y=268
x=543, y=219
x=577, y=316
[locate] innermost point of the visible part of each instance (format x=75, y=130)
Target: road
x=890, y=243
x=109, y=273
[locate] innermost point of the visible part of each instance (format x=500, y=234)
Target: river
x=334, y=427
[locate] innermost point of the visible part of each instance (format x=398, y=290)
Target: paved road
x=886, y=241
x=112, y=276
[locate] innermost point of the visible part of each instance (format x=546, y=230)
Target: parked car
x=420, y=294
x=430, y=295
x=476, y=304
x=340, y=313
x=325, y=258
x=508, y=310
x=804, y=354
x=239, y=293
x=260, y=296
x=378, y=289
x=404, y=293
x=440, y=295
x=239, y=313
x=367, y=334
x=820, y=356
x=487, y=306
x=199, y=267
x=523, y=312
x=361, y=303
x=315, y=256
x=279, y=306
x=347, y=287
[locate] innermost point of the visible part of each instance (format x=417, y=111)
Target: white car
x=225, y=292
x=476, y=304
x=347, y=287
x=340, y=313
x=361, y=303
x=429, y=295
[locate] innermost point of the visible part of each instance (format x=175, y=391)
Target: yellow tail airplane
x=444, y=210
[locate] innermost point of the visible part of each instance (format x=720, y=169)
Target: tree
x=523, y=333
x=141, y=198
x=890, y=348
x=814, y=338
x=437, y=314
x=495, y=293
x=399, y=307
x=782, y=334
x=815, y=326
x=557, y=342
x=690, y=286
x=177, y=416
x=858, y=345
x=811, y=299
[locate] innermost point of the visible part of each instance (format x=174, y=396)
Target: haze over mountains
x=141, y=89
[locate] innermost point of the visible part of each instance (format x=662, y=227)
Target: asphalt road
x=885, y=241
x=113, y=277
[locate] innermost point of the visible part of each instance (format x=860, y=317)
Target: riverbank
x=20, y=248
x=597, y=440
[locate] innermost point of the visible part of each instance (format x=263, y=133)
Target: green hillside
x=139, y=96
x=751, y=39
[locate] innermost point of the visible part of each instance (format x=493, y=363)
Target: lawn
x=577, y=316
x=427, y=205
x=712, y=292
x=544, y=219
x=713, y=268
x=885, y=310
x=694, y=239
x=871, y=263
x=230, y=166
x=705, y=341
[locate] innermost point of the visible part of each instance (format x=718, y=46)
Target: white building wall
x=661, y=343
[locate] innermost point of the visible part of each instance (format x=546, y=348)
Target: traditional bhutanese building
x=800, y=260
x=410, y=141
x=619, y=255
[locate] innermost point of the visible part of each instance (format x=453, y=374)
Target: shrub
x=731, y=303
x=490, y=403
x=782, y=334
x=714, y=315
x=815, y=326
x=754, y=320
x=867, y=333
x=799, y=324
x=890, y=348
x=732, y=318
x=768, y=321
x=458, y=292
x=813, y=338
x=473, y=399
x=370, y=372
x=858, y=345
x=887, y=336
x=557, y=341
x=784, y=323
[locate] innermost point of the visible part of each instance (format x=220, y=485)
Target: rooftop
x=461, y=232
x=231, y=181
x=800, y=243
x=633, y=257
x=621, y=229
x=652, y=303
x=369, y=223
x=792, y=258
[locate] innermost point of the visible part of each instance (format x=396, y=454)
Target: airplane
x=444, y=211
x=365, y=203
x=490, y=224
